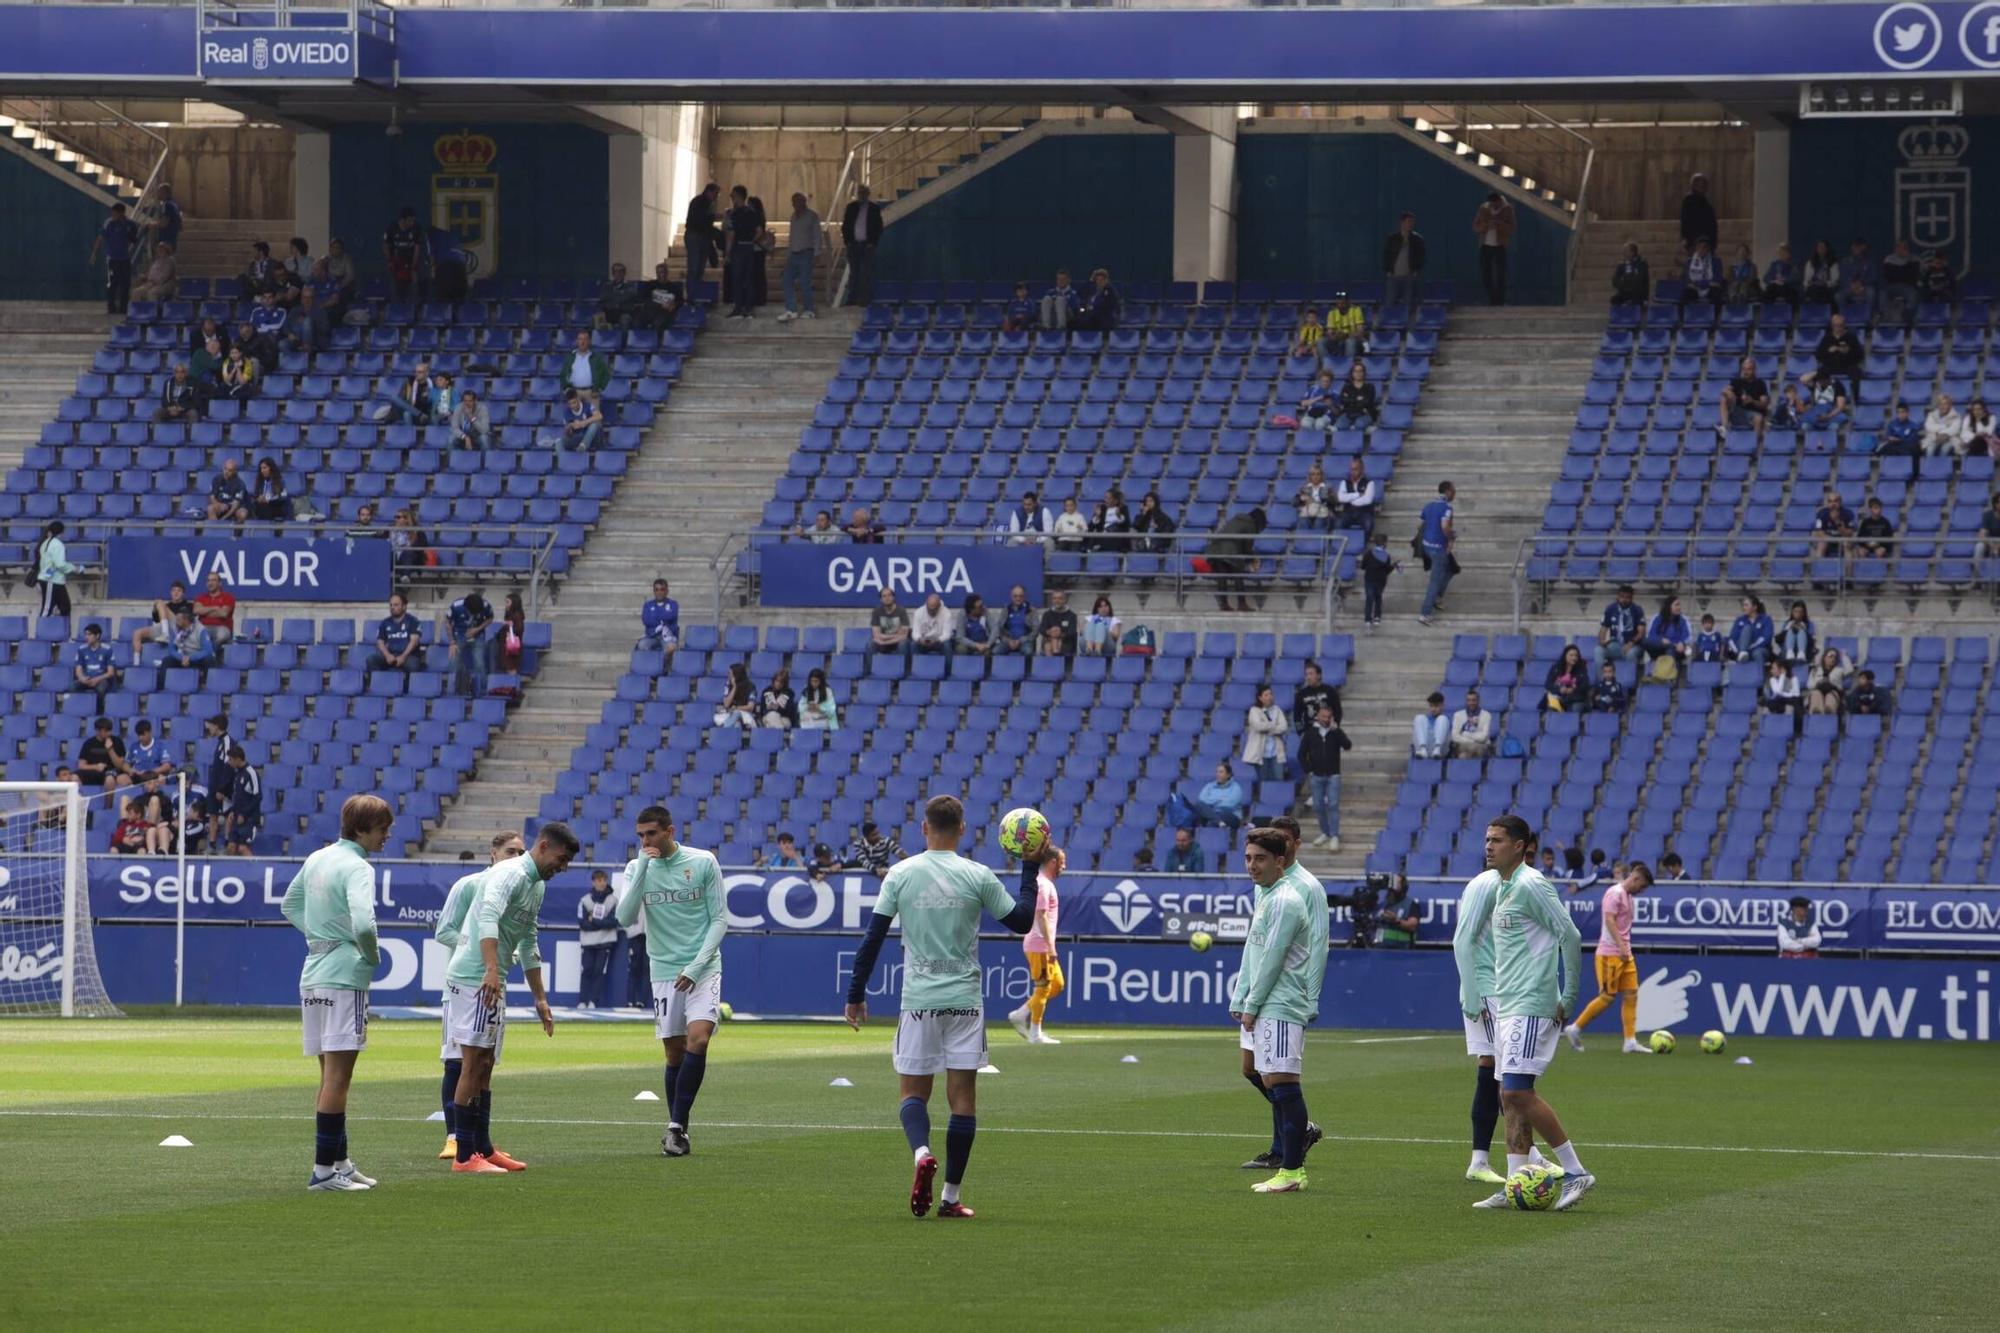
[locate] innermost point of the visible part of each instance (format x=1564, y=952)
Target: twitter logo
x=1908, y=36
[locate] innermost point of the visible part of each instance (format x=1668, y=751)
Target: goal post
x=48, y=954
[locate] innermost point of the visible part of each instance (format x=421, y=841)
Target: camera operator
x=1362, y=905
x=1396, y=919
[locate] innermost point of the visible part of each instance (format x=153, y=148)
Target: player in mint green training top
x=1277, y=994
x=1313, y=894
x=939, y=896
x=500, y=929
x=680, y=890
x=1537, y=962
x=332, y=900
x=450, y=924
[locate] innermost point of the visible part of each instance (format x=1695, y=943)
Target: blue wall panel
x=45, y=231
x=1880, y=179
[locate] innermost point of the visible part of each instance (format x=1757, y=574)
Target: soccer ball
x=1662, y=1042
x=1533, y=1188
x=1712, y=1042
x=726, y=1012
x=1201, y=941
x=1023, y=833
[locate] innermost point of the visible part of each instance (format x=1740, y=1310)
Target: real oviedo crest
x=465, y=199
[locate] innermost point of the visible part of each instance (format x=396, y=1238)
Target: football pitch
x=1828, y=1184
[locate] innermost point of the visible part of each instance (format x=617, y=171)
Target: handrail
x=1581, y=203
x=97, y=133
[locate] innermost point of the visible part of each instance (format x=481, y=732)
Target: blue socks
x=1485, y=1108
x=686, y=1084
x=1257, y=1082
x=957, y=1146
x=485, y=1132
x=916, y=1122
x=448, y=1094
x=329, y=1138
x=470, y=1127
x=673, y=1077
x=1289, y=1102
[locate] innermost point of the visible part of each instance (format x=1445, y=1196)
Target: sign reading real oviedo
x=256, y=54
x=848, y=574
x=291, y=569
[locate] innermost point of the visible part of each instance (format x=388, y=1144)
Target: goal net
x=48, y=961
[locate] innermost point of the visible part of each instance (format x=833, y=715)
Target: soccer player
x=499, y=930
x=1277, y=994
x=449, y=929
x=1044, y=967
x=1533, y=936
x=1617, y=970
x=938, y=895
x=332, y=901
x=1313, y=894
x=1474, y=950
x=680, y=891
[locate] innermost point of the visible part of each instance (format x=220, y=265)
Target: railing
x=1786, y=565
x=132, y=154
x=1146, y=563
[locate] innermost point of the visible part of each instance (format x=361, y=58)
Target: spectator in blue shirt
x=1435, y=540
x=228, y=495
x=398, y=639
x=1709, y=645
x=148, y=757
x=582, y=420
x=787, y=856
x=1669, y=633
x=1100, y=306
x=1060, y=303
x=1750, y=637
x=1020, y=316
x=1903, y=437
x=1186, y=856
x=1607, y=696
x=221, y=777
x=597, y=934
x=116, y=239
x=1017, y=624
x=95, y=670
x=267, y=316
x=164, y=219
x=466, y=624
x=1781, y=279
x=661, y=617
x=413, y=404
x=245, y=819
x=1619, y=632
x=190, y=645
x=1833, y=520
x=1221, y=801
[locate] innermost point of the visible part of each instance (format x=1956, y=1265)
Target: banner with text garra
x=854, y=575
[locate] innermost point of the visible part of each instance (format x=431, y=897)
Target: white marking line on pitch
x=1019, y=1129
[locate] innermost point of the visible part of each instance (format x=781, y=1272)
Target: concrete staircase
x=220, y=247
x=45, y=345
x=702, y=473
x=1659, y=242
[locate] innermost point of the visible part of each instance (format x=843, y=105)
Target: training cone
x=435, y=1115
x=841, y=1083
x=1743, y=1060
x=647, y=1096
x=1128, y=1059
x=175, y=1141
x=989, y=1069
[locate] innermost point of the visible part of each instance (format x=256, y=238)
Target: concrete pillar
x=1204, y=193
x=312, y=189
x=1771, y=194
x=626, y=242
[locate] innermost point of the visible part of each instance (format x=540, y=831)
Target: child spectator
x=132, y=836
x=246, y=803
x=1020, y=315
x=787, y=856
x=1316, y=408
x=1306, y=337
x=150, y=759
x=1376, y=566
x=1607, y=696
x=95, y=670
x=1710, y=646
x=101, y=762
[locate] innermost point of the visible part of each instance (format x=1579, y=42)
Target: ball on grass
x=1662, y=1042
x=1712, y=1042
x=1533, y=1188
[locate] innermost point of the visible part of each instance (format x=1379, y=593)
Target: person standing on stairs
x=1435, y=540
x=801, y=247
x=1698, y=216
x=860, y=233
x=1403, y=263
x=1319, y=755
x=742, y=224
x=116, y=239
x=698, y=236
x=1493, y=224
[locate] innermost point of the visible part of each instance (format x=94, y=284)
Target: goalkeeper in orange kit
x=1617, y=970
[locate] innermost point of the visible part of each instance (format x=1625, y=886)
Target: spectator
x=1100, y=304
x=1781, y=688
x=860, y=233
x=738, y=707
x=1945, y=433
x=1110, y=523
x=786, y=857
x=1308, y=697
x=582, y=419
x=1403, y=263
x=660, y=619
x=1709, y=645
x=597, y=936
x=1746, y=400
x=1550, y=870
x=407, y=541
x=1265, y=729
x=863, y=528
x=267, y=317
x=1021, y=313
x=1744, y=286
x=1669, y=635
x=1100, y=630
x=1376, y=566
x=1430, y=733
x=1875, y=535
x=1982, y=436
x=1856, y=304
x=1672, y=868
x=149, y=759
x=1834, y=522
x=1357, y=408
x=1398, y=918
x=101, y=760
x=1319, y=755
x=467, y=627
x=1220, y=802
x=620, y=301
x=1863, y=698
x=1152, y=525
x=1795, y=644
x=208, y=328
x=161, y=219
x=260, y=275
x=205, y=369
x=1828, y=406
x=412, y=403
x=1142, y=861
x=52, y=571
x=817, y=709
x=445, y=397
x=1471, y=730
x=1307, y=335
x=1901, y=275
x=1750, y=637
x=190, y=645
x=1826, y=683
x=1062, y=620
x=873, y=852
x=1030, y=522
x=1607, y=696
x=1620, y=631
x=228, y=495
x=1493, y=224
x=889, y=626
x=259, y=347
x=1599, y=872
x=164, y=611
x=95, y=670
x=471, y=423
x=1703, y=279
x=1049, y=643
x=1798, y=935
x=1346, y=330
x=822, y=532
x=1781, y=279
x=365, y=528
x=1837, y=357
x=1357, y=495
x=270, y=501
x=1070, y=526
x=1698, y=215
x=1016, y=630
x=778, y=704
x=587, y=370
x=116, y=238
x=163, y=276
x=180, y=398
x=216, y=609
x=1632, y=280
x=1567, y=684
x=1788, y=412
x=1989, y=528
x=1232, y=554
x=1316, y=407
x=307, y=327
x=221, y=777
x=931, y=628
x=701, y=236
x=1061, y=303
x=398, y=639
x=741, y=225
x=1856, y=266
x=132, y=836
x=507, y=634
x=1185, y=857
x=406, y=248
x=1435, y=538
x=975, y=628
x=245, y=819
x=825, y=865
x=1936, y=282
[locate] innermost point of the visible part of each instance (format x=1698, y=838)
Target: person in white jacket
x=1798, y=933
x=1264, y=737
x=1071, y=527
x=1944, y=429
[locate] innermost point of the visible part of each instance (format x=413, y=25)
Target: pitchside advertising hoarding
x=283, y=569
x=808, y=574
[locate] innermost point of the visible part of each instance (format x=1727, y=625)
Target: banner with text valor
x=287, y=569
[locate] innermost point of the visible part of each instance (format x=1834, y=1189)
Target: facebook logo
x=1979, y=34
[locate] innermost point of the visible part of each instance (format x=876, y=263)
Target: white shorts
x=470, y=1021
x=448, y=1049
x=674, y=1009
x=1524, y=1045
x=335, y=1020
x=1479, y=1032
x=1280, y=1046
x=930, y=1041
x=1244, y=1039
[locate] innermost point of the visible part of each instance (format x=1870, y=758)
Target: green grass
x=1828, y=1185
